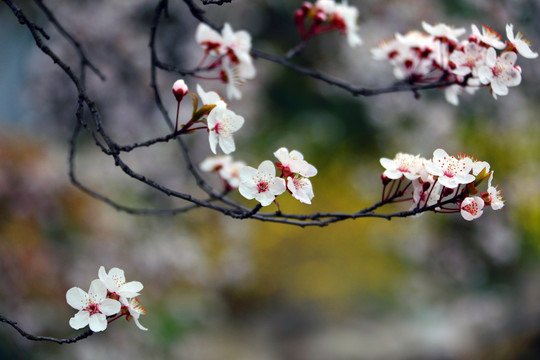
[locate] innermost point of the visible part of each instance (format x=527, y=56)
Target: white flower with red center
x=488, y=36
x=495, y=195
x=443, y=31
x=450, y=170
x=293, y=163
x=134, y=310
x=472, y=208
x=519, y=43
x=222, y=123
x=238, y=44
x=215, y=163
x=261, y=184
x=300, y=188
x=209, y=39
x=115, y=282
x=94, y=306
x=402, y=165
x=500, y=72
x=345, y=17
x=469, y=60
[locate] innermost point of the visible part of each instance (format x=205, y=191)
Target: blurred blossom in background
x=432, y=287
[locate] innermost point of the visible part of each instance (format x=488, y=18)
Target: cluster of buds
x=263, y=185
x=232, y=49
x=214, y=114
x=437, y=55
x=109, y=298
x=325, y=16
x=445, y=183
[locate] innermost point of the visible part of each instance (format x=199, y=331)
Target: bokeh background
x=432, y=287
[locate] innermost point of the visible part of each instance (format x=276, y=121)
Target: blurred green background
x=432, y=287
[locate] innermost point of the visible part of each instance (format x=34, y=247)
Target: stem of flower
x=177, y=112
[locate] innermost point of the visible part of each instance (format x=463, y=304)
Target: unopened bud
x=385, y=179
x=306, y=6
x=179, y=89
x=320, y=17
x=299, y=16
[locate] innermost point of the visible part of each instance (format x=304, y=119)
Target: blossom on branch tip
x=222, y=123
x=261, y=184
x=180, y=89
x=293, y=163
x=402, y=165
x=94, y=306
x=115, y=282
x=300, y=188
x=519, y=44
x=472, y=208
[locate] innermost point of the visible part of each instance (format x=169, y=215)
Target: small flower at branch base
x=519, y=44
x=301, y=189
x=261, y=184
x=402, y=165
x=472, y=208
x=94, y=306
x=115, y=281
x=495, y=196
x=488, y=37
x=222, y=123
x=179, y=89
x=134, y=310
x=450, y=171
x=500, y=72
x=293, y=163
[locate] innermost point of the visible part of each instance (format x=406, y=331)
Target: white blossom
x=222, y=123
x=115, y=282
x=521, y=45
x=261, y=184
x=472, y=208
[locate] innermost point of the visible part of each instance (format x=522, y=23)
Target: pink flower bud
x=179, y=89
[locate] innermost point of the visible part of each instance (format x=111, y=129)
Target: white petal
x=278, y=186
x=485, y=74
x=97, y=291
x=247, y=173
x=249, y=191
x=79, y=320
x=139, y=324
x=282, y=154
x=130, y=289
x=213, y=140
x=77, y=298
x=524, y=50
x=110, y=307
x=265, y=198
x=498, y=87
x=227, y=144
x=267, y=168
x=97, y=322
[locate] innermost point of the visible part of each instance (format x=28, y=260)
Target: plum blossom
x=94, y=306
x=238, y=44
x=134, y=309
x=472, y=208
x=228, y=169
x=115, y=282
x=443, y=31
x=402, y=165
x=208, y=97
x=468, y=60
x=346, y=16
x=519, y=43
x=209, y=39
x=222, y=123
x=450, y=170
x=261, y=184
x=300, y=188
x=488, y=36
x=495, y=195
x=500, y=72
x=293, y=163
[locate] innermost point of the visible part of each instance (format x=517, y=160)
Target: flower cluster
x=444, y=183
x=109, y=298
x=263, y=185
x=231, y=48
x=437, y=55
x=325, y=16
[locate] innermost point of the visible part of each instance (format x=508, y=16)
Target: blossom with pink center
x=135, y=310
x=519, y=43
x=293, y=163
x=450, y=170
x=488, y=36
x=500, y=72
x=402, y=165
x=300, y=188
x=495, y=195
x=261, y=184
x=115, y=282
x=469, y=60
x=94, y=306
x=222, y=123
x=472, y=208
